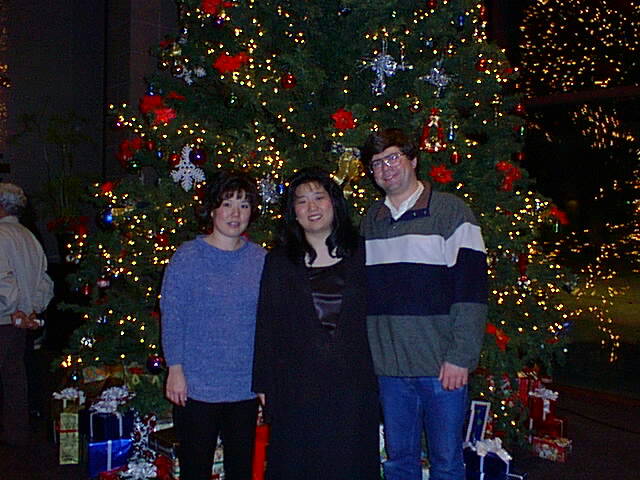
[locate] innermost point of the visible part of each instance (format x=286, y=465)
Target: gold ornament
x=349, y=169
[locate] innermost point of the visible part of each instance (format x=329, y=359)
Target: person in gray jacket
x=25, y=292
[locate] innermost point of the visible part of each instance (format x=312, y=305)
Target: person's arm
x=263, y=351
x=8, y=287
x=467, y=264
x=174, y=295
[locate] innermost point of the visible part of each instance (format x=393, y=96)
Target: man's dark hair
x=343, y=238
x=379, y=141
x=223, y=185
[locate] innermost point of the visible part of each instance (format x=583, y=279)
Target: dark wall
x=74, y=57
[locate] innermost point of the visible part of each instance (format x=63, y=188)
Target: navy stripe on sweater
x=419, y=289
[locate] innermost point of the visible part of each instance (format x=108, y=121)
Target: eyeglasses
x=392, y=160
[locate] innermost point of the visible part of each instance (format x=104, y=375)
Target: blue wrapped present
x=99, y=426
x=487, y=460
x=108, y=455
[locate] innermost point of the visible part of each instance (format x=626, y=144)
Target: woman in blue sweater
x=208, y=304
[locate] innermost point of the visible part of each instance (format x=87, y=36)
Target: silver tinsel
x=384, y=65
x=269, y=190
x=438, y=78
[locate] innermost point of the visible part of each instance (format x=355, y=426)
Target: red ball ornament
x=519, y=156
x=519, y=109
x=523, y=262
x=150, y=145
x=288, y=81
x=198, y=156
x=483, y=13
x=162, y=239
x=174, y=160
x=456, y=158
x=482, y=64
x=432, y=4
x=103, y=282
x=86, y=290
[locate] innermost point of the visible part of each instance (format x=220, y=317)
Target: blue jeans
x=411, y=404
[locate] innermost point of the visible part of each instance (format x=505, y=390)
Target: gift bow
x=68, y=395
x=491, y=445
x=547, y=396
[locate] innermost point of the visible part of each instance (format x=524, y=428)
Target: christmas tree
x=274, y=86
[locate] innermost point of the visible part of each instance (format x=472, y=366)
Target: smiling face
x=231, y=218
x=313, y=209
x=396, y=179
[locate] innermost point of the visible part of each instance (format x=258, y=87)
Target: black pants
x=198, y=425
x=15, y=413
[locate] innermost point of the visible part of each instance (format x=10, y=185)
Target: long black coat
x=320, y=388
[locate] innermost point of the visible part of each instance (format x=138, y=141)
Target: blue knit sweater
x=209, y=300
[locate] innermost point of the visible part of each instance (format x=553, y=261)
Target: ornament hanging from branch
x=438, y=78
x=268, y=190
x=433, y=139
x=186, y=173
x=384, y=65
x=349, y=169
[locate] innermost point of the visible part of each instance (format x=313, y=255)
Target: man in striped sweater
x=427, y=306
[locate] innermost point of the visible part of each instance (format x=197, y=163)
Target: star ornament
x=438, y=77
x=441, y=174
x=343, y=119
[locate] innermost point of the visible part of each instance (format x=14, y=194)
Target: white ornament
x=186, y=173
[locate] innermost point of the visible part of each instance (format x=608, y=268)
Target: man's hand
x=19, y=319
x=452, y=376
x=176, y=389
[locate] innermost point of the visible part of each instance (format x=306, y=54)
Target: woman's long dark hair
x=342, y=240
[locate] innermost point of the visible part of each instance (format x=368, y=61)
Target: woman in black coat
x=312, y=364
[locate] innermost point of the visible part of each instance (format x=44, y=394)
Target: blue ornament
x=460, y=21
x=281, y=189
x=451, y=133
x=158, y=154
x=75, y=376
x=107, y=216
x=155, y=364
x=344, y=11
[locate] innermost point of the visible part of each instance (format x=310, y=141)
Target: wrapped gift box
x=527, y=382
x=107, y=455
x=485, y=467
x=69, y=449
x=542, y=404
x=487, y=460
x=100, y=427
x=165, y=442
x=554, y=449
x=553, y=427
x=112, y=474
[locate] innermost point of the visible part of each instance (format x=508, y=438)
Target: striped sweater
x=427, y=286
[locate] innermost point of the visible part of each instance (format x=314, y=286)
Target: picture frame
x=478, y=419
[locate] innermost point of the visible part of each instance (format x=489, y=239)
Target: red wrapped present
x=553, y=427
x=554, y=449
x=542, y=404
x=260, y=451
x=527, y=382
x=111, y=474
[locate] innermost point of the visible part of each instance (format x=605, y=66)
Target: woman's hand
x=176, y=389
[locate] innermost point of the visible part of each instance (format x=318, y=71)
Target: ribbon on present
x=547, y=397
x=70, y=394
x=491, y=445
